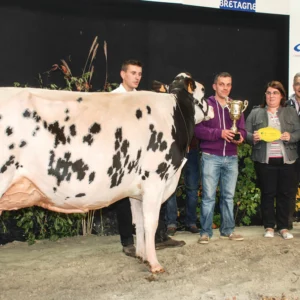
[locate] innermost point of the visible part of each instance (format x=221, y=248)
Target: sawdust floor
x=93, y=267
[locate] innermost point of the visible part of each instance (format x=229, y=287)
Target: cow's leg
x=151, y=205
x=138, y=220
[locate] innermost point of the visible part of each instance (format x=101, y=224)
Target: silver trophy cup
x=236, y=108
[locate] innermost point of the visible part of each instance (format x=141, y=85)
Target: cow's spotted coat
x=72, y=152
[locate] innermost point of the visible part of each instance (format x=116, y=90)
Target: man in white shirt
x=131, y=74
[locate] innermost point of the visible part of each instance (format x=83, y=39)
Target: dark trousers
x=276, y=182
x=124, y=218
x=298, y=169
x=293, y=202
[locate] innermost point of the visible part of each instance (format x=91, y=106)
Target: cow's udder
x=24, y=193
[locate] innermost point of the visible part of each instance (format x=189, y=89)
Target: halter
x=196, y=101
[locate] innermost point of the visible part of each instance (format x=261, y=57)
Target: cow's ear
x=190, y=85
x=159, y=87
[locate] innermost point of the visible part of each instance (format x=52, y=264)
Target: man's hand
x=227, y=135
x=238, y=141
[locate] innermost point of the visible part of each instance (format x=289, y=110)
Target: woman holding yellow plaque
x=273, y=131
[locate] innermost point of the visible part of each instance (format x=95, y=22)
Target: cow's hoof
x=157, y=270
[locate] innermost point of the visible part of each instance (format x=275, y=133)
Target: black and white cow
x=73, y=152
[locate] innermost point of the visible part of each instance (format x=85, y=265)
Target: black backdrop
x=167, y=38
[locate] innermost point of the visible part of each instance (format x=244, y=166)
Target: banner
x=241, y=5
x=297, y=50
x=281, y=7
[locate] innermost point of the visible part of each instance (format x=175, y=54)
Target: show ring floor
x=94, y=267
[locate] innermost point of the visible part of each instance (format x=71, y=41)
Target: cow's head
x=184, y=80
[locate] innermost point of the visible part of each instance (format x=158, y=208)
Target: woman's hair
x=278, y=86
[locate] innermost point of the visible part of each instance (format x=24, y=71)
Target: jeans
x=191, y=182
x=222, y=170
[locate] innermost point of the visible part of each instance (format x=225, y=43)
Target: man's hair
x=132, y=62
x=278, y=86
x=222, y=74
x=296, y=76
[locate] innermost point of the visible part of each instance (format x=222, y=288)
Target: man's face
x=296, y=87
x=131, y=77
x=223, y=87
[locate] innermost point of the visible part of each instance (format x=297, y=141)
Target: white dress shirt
x=121, y=89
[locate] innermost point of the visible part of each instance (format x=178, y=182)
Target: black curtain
x=167, y=38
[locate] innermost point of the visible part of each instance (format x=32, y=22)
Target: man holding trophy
x=219, y=138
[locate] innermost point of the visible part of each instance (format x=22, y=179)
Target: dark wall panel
x=168, y=38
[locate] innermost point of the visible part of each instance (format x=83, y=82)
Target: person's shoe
x=171, y=231
x=269, y=233
x=129, y=250
x=169, y=243
x=284, y=233
x=204, y=239
x=233, y=237
x=192, y=229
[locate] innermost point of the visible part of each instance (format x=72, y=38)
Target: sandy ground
x=94, y=267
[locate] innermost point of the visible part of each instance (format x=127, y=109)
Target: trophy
x=236, y=107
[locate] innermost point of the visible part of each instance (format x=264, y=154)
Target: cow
x=72, y=152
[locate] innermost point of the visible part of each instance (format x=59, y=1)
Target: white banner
x=280, y=7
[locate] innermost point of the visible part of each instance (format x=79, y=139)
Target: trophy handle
x=227, y=100
x=245, y=105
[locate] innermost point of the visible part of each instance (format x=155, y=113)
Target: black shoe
x=129, y=250
x=169, y=243
x=192, y=229
x=171, y=231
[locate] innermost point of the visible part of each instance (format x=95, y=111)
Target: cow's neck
x=184, y=123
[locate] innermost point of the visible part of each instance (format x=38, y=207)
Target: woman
x=274, y=162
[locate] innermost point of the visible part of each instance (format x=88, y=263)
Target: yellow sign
x=269, y=134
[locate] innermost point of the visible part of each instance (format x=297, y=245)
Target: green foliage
x=217, y=220
x=247, y=194
x=39, y=223
x=3, y=219
x=18, y=84
x=82, y=82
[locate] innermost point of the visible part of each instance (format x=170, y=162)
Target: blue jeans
x=191, y=182
x=222, y=170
